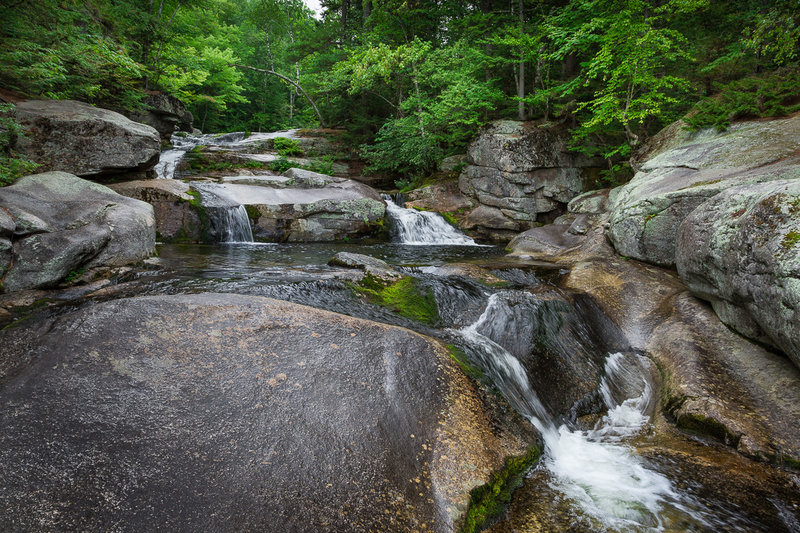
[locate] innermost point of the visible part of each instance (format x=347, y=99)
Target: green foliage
x=773, y=94
x=281, y=165
x=60, y=50
x=489, y=501
x=405, y=297
x=287, y=147
x=12, y=165
x=446, y=102
x=413, y=82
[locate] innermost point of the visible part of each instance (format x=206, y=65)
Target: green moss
x=459, y=356
x=405, y=297
x=450, y=218
x=791, y=240
x=794, y=206
x=252, y=212
x=489, y=501
x=788, y=460
x=74, y=275
x=197, y=205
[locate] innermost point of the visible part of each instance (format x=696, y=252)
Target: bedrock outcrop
x=87, y=141
x=222, y=412
x=684, y=169
x=716, y=382
x=165, y=113
x=54, y=224
x=519, y=173
x=740, y=250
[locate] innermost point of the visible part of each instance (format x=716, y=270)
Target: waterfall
x=422, y=227
x=231, y=223
x=601, y=477
x=168, y=163
x=227, y=220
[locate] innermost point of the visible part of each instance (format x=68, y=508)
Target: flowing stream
x=410, y=226
x=607, y=486
x=227, y=220
x=182, y=143
x=596, y=472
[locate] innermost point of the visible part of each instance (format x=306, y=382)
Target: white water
x=601, y=477
x=170, y=159
x=423, y=227
x=235, y=225
x=228, y=220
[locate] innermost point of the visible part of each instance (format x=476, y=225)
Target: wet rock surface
x=64, y=224
x=297, y=206
x=335, y=210
x=177, y=220
x=370, y=265
x=87, y=141
x=718, y=384
x=227, y=412
x=440, y=197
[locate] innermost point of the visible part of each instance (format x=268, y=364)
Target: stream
x=552, y=355
x=593, y=471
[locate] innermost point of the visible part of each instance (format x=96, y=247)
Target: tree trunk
x=521, y=76
x=345, y=10
x=367, y=9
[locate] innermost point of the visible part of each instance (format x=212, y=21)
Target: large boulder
x=222, y=412
x=740, y=250
x=335, y=211
x=519, y=173
x=86, y=141
x=174, y=205
x=165, y=113
x=54, y=224
x=684, y=169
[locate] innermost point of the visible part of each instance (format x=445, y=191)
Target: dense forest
x=413, y=80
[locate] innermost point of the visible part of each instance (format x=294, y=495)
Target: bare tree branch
x=287, y=80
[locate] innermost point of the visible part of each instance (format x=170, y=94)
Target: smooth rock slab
x=684, y=169
x=220, y=412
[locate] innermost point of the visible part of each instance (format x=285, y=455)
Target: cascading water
x=183, y=143
x=606, y=483
x=422, y=227
x=227, y=221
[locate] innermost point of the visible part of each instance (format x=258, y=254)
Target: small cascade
x=168, y=163
x=227, y=221
x=422, y=227
x=183, y=143
x=233, y=224
x=601, y=477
